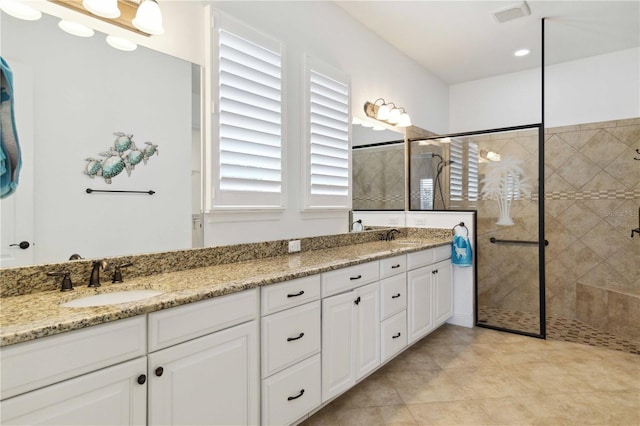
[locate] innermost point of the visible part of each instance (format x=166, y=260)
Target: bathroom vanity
x=267, y=341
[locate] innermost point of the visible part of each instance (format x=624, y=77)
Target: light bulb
x=394, y=116
x=383, y=112
x=149, y=18
x=104, y=8
x=404, y=120
x=75, y=28
x=20, y=10
x=121, y=43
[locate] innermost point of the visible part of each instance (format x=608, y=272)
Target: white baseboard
x=463, y=320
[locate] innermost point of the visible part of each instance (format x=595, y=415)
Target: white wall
x=326, y=32
x=84, y=92
x=599, y=88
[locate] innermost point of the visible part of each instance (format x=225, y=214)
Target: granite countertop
x=31, y=316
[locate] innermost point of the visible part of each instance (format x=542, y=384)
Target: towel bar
x=89, y=191
x=494, y=240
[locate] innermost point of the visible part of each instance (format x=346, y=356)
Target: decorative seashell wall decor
x=123, y=155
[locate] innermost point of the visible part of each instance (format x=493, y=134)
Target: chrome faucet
x=94, y=280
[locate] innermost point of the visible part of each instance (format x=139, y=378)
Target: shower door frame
x=541, y=240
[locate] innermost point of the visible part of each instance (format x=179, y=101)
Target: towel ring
x=461, y=224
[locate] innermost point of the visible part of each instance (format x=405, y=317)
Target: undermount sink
x=111, y=298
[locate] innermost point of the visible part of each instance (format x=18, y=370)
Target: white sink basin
x=111, y=298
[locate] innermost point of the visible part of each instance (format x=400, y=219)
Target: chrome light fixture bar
x=387, y=112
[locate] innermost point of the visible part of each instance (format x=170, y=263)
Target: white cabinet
x=420, y=306
x=350, y=338
x=210, y=380
x=112, y=396
x=430, y=291
x=205, y=377
x=290, y=360
x=64, y=379
x=443, y=288
x=393, y=335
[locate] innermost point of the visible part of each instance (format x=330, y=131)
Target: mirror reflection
x=71, y=95
x=378, y=169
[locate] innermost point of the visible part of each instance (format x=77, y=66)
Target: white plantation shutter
x=329, y=157
x=455, y=180
x=474, y=156
x=249, y=150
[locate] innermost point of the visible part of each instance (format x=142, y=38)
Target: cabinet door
x=212, y=380
x=419, y=309
x=367, y=329
x=338, y=344
x=112, y=396
x=443, y=287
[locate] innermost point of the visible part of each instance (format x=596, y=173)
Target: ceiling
x=461, y=41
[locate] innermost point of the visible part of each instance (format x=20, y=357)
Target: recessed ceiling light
x=75, y=28
x=522, y=52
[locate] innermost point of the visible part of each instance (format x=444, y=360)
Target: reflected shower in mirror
x=378, y=169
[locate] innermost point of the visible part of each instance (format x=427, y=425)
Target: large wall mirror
x=378, y=168
x=71, y=95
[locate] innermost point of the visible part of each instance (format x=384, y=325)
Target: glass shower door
x=496, y=172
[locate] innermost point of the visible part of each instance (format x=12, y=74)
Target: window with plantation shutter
x=328, y=153
x=249, y=139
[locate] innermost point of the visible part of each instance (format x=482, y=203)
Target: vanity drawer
x=441, y=253
x=177, y=325
x=292, y=393
x=278, y=297
x=41, y=362
x=393, y=336
x=345, y=279
x=290, y=336
x=392, y=266
x=419, y=259
x=393, y=294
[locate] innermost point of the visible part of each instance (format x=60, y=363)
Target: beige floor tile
x=489, y=382
x=478, y=376
x=450, y=413
x=426, y=386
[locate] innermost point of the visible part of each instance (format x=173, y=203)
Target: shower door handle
x=494, y=240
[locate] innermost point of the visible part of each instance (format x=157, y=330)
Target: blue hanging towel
x=10, y=157
x=461, y=252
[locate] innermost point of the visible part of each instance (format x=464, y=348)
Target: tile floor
x=461, y=376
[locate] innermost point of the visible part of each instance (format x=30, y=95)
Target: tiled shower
x=592, y=196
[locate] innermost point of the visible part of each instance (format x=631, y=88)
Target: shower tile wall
x=592, y=196
x=378, y=178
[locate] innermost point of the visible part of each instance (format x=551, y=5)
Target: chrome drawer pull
x=396, y=336
x=289, y=339
x=291, y=398
x=356, y=278
x=395, y=296
x=297, y=294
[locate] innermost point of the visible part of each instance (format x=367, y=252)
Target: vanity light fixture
x=490, y=155
x=19, y=9
x=104, y=8
x=121, y=43
x=149, y=18
x=388, y=113
x=75, y=28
